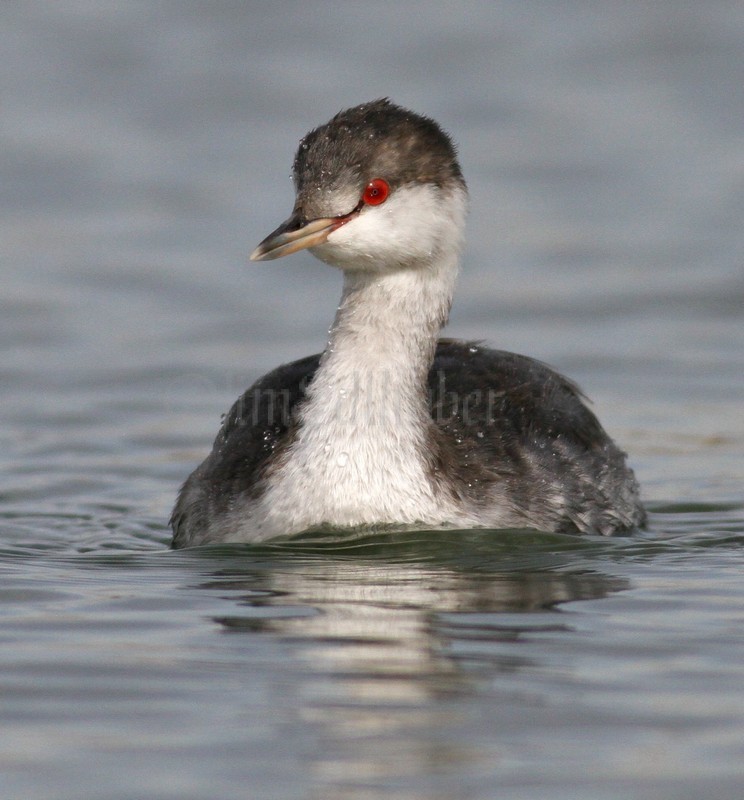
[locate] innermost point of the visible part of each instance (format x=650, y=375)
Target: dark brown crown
x=375, y=140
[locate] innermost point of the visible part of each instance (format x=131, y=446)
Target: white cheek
x=415, y=225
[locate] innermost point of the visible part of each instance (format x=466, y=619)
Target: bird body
x=391, y=426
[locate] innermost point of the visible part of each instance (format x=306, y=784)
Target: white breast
x=360, y=456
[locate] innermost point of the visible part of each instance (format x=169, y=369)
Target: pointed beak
x=297, y=234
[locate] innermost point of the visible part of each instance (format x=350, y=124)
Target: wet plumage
x=390, y=425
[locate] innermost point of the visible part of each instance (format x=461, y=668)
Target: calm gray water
x=145, y=151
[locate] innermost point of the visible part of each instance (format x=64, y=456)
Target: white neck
x=360, y=453
x=386, y=328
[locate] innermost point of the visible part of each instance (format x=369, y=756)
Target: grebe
x=391, y=426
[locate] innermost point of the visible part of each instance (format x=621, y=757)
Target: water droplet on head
x=343, y=459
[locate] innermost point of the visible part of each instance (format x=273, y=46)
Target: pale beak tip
x=292, y=236
x=262, y=254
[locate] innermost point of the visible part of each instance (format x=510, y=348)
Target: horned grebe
x=391, y=426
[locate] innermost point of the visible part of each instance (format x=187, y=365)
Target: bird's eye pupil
x=376, y=192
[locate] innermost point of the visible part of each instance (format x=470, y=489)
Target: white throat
x=360, y=455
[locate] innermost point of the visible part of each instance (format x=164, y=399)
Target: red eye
x=376, y=192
